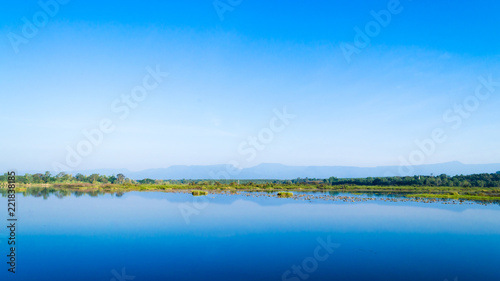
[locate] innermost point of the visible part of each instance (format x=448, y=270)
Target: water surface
x=175, y=236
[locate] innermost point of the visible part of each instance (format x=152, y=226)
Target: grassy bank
x=457, y=197
x=466, y=193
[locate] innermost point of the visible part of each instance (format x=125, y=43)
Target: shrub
x=285, y=194
x=199, y=192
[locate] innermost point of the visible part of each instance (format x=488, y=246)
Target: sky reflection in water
x=236, y=237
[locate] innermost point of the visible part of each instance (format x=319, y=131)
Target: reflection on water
x=46, y=192
x=75, y=235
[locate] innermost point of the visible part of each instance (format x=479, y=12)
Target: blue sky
x=227, y=77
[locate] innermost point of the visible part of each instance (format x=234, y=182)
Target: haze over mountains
x=280, y=171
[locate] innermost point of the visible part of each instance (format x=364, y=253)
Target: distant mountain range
x=279, y=171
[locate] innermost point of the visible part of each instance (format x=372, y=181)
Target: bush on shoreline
x=285, y=194
x=199, y=192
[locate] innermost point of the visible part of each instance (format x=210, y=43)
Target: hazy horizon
x=259, y=164
x=269, y=171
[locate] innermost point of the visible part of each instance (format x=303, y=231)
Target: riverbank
x=429, y=192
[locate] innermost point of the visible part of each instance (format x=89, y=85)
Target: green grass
x=199, y=192
x=285, y=194
x=455, y=196
x=284, y=190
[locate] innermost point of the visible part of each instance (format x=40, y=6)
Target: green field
x=284, y=190
x=468, y=187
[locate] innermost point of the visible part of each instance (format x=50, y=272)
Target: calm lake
x=175, y=236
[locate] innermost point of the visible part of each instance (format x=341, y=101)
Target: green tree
x=120, y=178
x=46, y=178
x=112, y=179
x=80, y=178
x=93, y=178
x=28, y=178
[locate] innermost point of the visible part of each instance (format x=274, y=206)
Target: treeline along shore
x=474, y=187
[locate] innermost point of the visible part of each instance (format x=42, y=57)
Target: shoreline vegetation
x=199, y=192
x=477, y=187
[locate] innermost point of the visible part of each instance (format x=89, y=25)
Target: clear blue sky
x=227, y=76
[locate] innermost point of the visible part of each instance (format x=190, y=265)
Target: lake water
x=175, y=236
